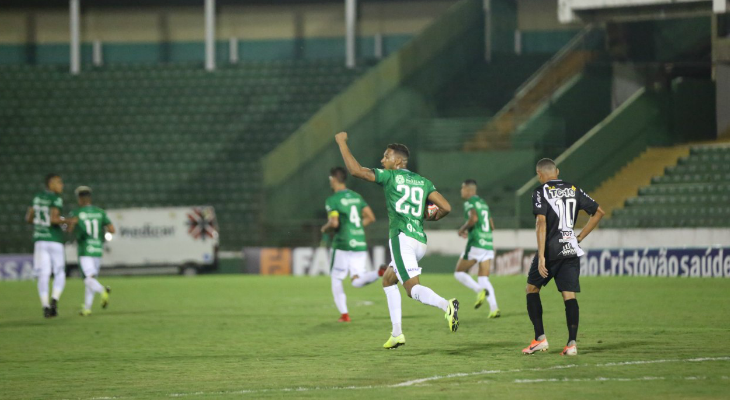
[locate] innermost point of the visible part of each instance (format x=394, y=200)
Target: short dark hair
x=51, y=176
x=85, y=193
x=400, y=149
x=339, y=173
x=470, y=182
x=546, y=164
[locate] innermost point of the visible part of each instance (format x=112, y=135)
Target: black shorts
x=565, y=271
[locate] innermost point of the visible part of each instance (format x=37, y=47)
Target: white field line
x=467, y=374
x=602, y=379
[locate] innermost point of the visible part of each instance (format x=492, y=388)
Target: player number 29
x=566, y=209
x=416, y=198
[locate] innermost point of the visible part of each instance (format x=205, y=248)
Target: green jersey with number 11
x=406, y=194
x=90, y=230
x=42, y=228
x=480, y=235
x=347, y=206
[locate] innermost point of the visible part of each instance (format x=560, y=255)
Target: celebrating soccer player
x=556, y=204
x=479, y=247
x=347, y=214
x=406, y=196
x=48, y=256
x=93, y=223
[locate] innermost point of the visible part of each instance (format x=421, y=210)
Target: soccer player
x=90, y=224
x=48, y=253
x=347, y=214
x=406, y=196
x=479, y=247
x=556, y=204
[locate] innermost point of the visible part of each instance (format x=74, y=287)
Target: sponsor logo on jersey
x=399, y=179
x=483, y=242
x=567, y=192
x=568, y=236
x=568, y=250
x=415, y=182
x=347, y=202
x=538, y=199
x=355, y=243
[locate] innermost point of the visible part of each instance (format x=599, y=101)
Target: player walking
x=48, y=253
x=406, y=194
x=90, y=224
x=479, y=247
x=347, y=214
x=556, y=204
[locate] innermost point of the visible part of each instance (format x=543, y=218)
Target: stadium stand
x=144, y=135
x=693, y=193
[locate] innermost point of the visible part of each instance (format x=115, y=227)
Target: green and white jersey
x=43, y=230
x=405, y=197
x=347, y=206
x=90, y=230
x=480, y=235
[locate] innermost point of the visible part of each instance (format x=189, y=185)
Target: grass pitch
x=273, y=337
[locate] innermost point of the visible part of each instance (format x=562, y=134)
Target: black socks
x=571, y=316
x=534, y=310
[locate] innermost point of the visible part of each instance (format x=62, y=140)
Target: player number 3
x=416, y=198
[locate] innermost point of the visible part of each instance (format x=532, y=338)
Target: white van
x=158, y=241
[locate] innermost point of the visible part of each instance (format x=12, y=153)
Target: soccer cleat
x=344, y=318
x=395, y=342
x=54, y=308
x=452, y=315
x=569, y=351
x=382, y=269
x=47, y=312
x=84, y=312
x=495, y=314
x=535, y=346
x=481, y=298
x=105, y=296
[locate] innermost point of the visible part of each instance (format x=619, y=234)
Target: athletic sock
x=534, y=310
x=365, y=279
x=572, y=316
x=429, y=297
x=338, y=292
x=392, y=294
x=491, y=297
x=43, y=290
x=88, y=298
x=467, y=281
x=59, y=282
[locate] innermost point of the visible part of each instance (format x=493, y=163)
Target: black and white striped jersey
x=559, y=202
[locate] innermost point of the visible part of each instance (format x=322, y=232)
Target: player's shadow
x=604, y=347
x=467, y=349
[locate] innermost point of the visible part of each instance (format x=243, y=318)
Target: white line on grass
x=466, y=374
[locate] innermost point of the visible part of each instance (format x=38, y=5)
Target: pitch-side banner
x=15, y=267
x=300, y=260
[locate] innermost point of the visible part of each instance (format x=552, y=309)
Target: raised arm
x=441, y=203
x=353, y=166
x=591, y=224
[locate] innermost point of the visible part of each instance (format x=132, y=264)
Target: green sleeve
x=105, y=220
x=382, y=176
x=468, y=205
x=329, y=205
x=58, y=202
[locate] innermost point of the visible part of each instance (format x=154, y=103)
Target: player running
x=406, y=194
x=479, y=247
x=90, y=224
x=347, y=214
x=48, y=255
x=556, y=204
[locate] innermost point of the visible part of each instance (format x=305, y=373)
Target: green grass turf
x=255, y=337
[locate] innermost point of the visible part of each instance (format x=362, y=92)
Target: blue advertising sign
x=15, y=267
x=712, y=262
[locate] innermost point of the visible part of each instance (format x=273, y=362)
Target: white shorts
x=48, y=257
x=90, y=265
x=346, y=261
x=404, y=260
x=478, y=254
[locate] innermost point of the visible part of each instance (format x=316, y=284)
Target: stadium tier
x=694, y=193
x=145, y=136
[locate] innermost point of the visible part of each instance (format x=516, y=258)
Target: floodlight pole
x=350, y=30
x=209, y=35
x=75, y=36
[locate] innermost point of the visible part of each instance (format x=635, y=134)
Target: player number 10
x=416, y=198
x=567, y=213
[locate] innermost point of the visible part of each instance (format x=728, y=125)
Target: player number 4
x=416, y=198
x=355, y=216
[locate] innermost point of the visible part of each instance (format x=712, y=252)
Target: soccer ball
x=431, y=210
